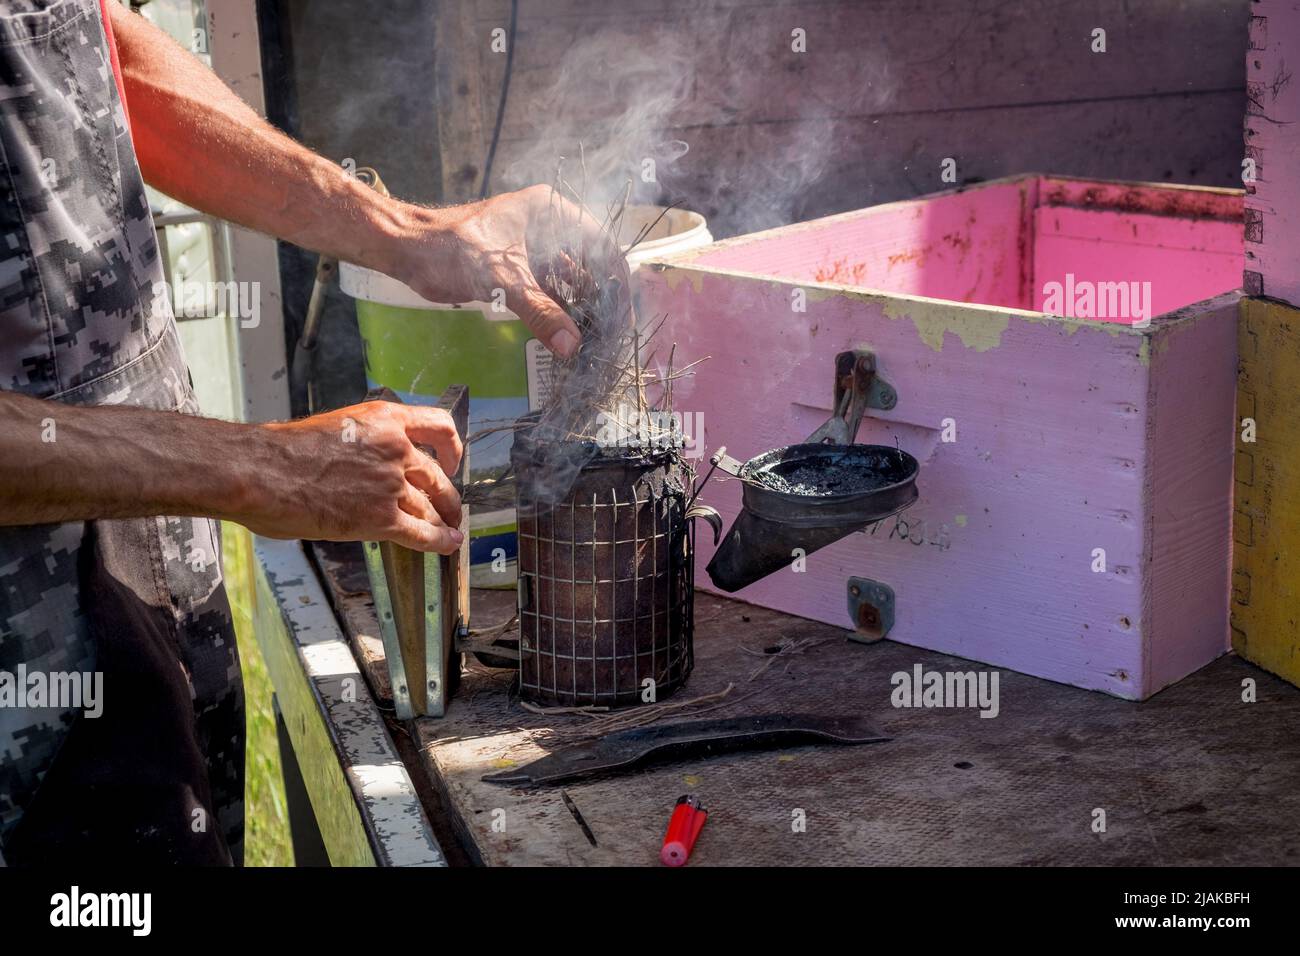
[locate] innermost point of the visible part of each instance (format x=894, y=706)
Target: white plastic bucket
x=680, y=230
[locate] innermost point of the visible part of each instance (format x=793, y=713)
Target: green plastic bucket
x=418, y=348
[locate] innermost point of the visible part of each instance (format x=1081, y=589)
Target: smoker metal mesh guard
x=606, y=581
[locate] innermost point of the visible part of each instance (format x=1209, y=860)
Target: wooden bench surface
x=1192, y=776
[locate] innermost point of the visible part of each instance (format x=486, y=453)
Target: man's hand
x=508, y=243
x=350, y=475
x=356, y=474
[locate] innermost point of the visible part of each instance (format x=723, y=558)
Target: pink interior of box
x=1005, y=244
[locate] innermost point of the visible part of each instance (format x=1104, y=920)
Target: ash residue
x=820, y=481
x=857, y=470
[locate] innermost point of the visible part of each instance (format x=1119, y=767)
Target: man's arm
x=354, y=474
x=199, y=142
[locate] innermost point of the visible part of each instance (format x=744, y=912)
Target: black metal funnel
x=803, y=497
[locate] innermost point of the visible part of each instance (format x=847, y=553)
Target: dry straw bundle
x=605, y=398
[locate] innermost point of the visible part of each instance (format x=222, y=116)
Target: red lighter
x=683, y=830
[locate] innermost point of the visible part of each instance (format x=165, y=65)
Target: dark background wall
x=355, y=85
x=740, y=126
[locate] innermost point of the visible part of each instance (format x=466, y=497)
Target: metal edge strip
x=434, y=653
x=388, y=630
x=365, y=803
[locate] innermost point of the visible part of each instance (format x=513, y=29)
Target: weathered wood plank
x=461, y=61
x=1193, y=384
x=734, y=63
x=1266, y=521
x=1273, y=145
x=885, y=94
x=964, y=246
x=950, y=788
x=750, y=177
x=365, y=91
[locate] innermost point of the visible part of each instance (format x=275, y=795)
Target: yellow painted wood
x=1266, y=512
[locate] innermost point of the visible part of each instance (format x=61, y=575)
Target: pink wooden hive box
x=1071, y=434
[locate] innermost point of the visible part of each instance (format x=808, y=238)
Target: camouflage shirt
x=85, y=320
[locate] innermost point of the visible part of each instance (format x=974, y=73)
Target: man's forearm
x=196, y=140
x=65, y=462
x=351, y=475
x=199, y=142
